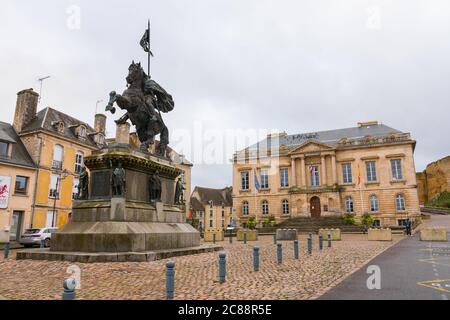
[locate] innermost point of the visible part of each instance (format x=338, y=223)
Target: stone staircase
x=306, y=224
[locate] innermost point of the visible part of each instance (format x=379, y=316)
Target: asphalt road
x=410, y=270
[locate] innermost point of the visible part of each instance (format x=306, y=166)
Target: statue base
x=129, y=227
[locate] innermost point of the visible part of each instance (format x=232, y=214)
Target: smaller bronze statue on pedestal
x=83, y=185
x=118, y=181
x=155, y=187
x=179, y=192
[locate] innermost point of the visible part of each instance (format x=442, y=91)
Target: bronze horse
x=144, y=100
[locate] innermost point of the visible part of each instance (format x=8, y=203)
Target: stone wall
x=434, y=179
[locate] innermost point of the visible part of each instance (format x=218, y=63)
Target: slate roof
x=330, y=137
x=45, y=119
x=19, y=154
x=197, y=205
x=217, y=196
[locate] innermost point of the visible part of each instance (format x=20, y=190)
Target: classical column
x=324, y=170
x=302, y=167
x=294, y=175
x=333, y=168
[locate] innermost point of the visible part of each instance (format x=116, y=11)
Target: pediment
x=311, y=146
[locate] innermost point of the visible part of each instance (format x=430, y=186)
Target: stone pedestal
x=433, y=234
x=286, y=234
x=335, y=234
x=129, y=227
x=379, y=235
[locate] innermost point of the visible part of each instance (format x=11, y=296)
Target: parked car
x=33, y=237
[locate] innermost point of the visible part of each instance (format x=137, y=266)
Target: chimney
x=100, y=123
x=123, y=133
x=26, y=108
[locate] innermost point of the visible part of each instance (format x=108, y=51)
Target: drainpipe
x=36, y=182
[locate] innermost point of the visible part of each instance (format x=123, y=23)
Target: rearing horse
x=141, y=109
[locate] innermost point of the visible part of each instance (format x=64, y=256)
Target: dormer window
x=4, y=149
x=81, y=132
x=58, y=126
x=100, y=139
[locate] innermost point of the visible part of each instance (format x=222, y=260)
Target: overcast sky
x=299, y=66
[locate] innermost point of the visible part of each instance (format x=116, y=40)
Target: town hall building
x=364, y=169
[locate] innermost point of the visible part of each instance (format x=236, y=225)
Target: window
x=4, y=149
x=210, y=213
x=54, y=186
x=377, y=223
x=76, y=181
x=285, y=205
x=210, y=223
x=51, y=219
x=347, y=172
x=79, y=162
x=371, y=171
x=264, y=178
x=400, y=202
x=265, y=207
x=21, y=185
x=349, y=204
x=223, y=213
x=245, y=208
x=81, y=132
x=396, y=166
x=245, y=185
x=57, y=156
x=373, y=203
x=284, y=177
x=402, y=222
x=223, y=223
x=314, y=172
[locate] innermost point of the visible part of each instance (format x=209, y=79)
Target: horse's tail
x=164, y=136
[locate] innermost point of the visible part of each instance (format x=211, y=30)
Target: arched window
x=245, y=208
x=79, y=157
x=400, y=202
x=349, y=204
x=285, y=206
x=373, y=203
x=57, y=156
x=265, y=207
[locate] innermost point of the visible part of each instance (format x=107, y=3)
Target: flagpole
x=149, y=48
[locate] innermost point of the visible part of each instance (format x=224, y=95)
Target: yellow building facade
x=17, y=178
x=364, y=169
x=58, y=144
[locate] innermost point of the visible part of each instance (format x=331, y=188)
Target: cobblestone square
x=197, y=275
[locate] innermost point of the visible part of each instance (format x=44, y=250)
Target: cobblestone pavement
x=197, y=275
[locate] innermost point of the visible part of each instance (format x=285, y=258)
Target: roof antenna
x=41, y=80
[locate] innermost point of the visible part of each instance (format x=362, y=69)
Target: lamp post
x=58, y=181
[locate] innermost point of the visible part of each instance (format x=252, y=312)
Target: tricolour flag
x=359, y=175
x=257, y=185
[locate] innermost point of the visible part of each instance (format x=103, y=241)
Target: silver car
x=33, y=237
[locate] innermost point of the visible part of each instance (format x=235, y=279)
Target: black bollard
x=6, y=250
x=170, y=280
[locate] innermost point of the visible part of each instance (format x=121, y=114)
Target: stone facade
x=303, y=175
x=213, y=207
x=434, y=179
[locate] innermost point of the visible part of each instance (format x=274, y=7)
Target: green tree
x=367, y=219
x=348, y=218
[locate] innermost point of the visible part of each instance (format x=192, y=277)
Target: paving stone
x=196, y=275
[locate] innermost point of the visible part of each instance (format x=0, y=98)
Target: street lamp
x=64, y=175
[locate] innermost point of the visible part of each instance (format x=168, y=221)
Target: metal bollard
x=309, y=243
x=279, y=253
x=275, y=238
x=69, y=289
x=245, y=237
x=6, y=250
x=329, y=240
x=222, y=267
x=170, y=280
x=256, y=258
x=296, y=249
x=214, y=238
x=42, y=244
x=320, y=242
x=231, y=238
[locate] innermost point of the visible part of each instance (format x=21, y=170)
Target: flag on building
x=145, y=41
x=359, y=175
x=257, y=185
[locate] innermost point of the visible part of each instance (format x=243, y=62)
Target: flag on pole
x=257, y=185
x=145, y=42
x=359, y=175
